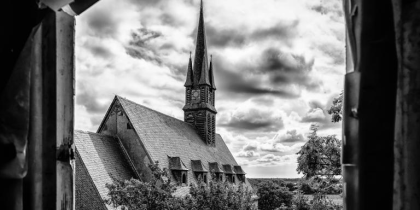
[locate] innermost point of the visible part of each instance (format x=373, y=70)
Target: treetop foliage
x=158, y=194
x=320, y=155
x=336, y=109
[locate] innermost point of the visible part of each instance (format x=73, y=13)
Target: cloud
x=250, y=147
x=253, y=120
x=291, y=136
x=239, y=83
x=274, y=159
x=279, y=147
x=88, y=99
x=275, y=69
x=247, y=154
x=314, y=115
x=237, y=37
x=288, y=68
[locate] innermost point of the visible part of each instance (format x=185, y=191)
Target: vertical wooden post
x=407, y=125
x=374, y=54
x=65, y=109
x=50, y=179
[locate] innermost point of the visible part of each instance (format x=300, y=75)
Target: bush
x=300, y=202
x=272, y=196
x=306, y=188
x=218, y=195
x=322, y=202
x=157, y=194
x=291, y=186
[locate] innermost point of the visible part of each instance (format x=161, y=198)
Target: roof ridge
x=153, y=110
x=127, y=156
x=90, y=132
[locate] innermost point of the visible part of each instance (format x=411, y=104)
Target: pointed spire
x=211, y=74
x=190, y=75
x=200, y=58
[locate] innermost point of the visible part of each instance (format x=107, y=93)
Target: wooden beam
x=407, y=124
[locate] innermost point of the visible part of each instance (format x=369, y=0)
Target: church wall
x=110, y=126
x=87, y=197
x=134, y=148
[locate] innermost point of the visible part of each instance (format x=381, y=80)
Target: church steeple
x=190, y=75
x=200, y=58
x=211, y=75
x=200, y=89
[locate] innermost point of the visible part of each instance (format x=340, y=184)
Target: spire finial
x=201, y=57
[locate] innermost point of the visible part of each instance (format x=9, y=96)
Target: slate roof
x=103, y=159
x=175, y=163
x=164, y=136
x=228, y=169
x=238, y=170
x=215, y=167
x=197, y=166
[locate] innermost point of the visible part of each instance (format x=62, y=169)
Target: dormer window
x=217, y=170
x=199, y=170
x=239, y=173
x=229, y=172
x=179, y=170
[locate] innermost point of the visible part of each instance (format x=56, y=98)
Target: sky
x=278, y=64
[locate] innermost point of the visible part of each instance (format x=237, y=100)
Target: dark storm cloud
x=223, y=38
x=141, y=36
x=254, y=120
x=217, y=37
x=236, y=83
x=287, y=68
x=143, y=53
x=139, y=47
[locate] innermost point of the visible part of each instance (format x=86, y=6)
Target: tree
x=336, y=109
x=157, y=194
x=135, y=194
x=320, y=155
x=272, y=196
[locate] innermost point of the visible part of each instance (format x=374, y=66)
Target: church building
x=131, y=136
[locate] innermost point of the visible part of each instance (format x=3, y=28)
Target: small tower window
x=184, y=178
x=233, y=179
x=129, y=127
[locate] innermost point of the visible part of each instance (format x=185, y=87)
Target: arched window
x=184, y=178
x=233, y=179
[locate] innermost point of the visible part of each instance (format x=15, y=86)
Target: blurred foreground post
x=381, y=130
x=407, y=121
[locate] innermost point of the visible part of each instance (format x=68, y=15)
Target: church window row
x=226, y=173
x=213, y=127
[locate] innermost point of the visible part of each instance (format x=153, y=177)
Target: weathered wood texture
x=371, y=36
x=407, y=124
x=65, y=109
x=49, y=184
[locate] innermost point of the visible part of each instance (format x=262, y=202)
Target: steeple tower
x=200, y=88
